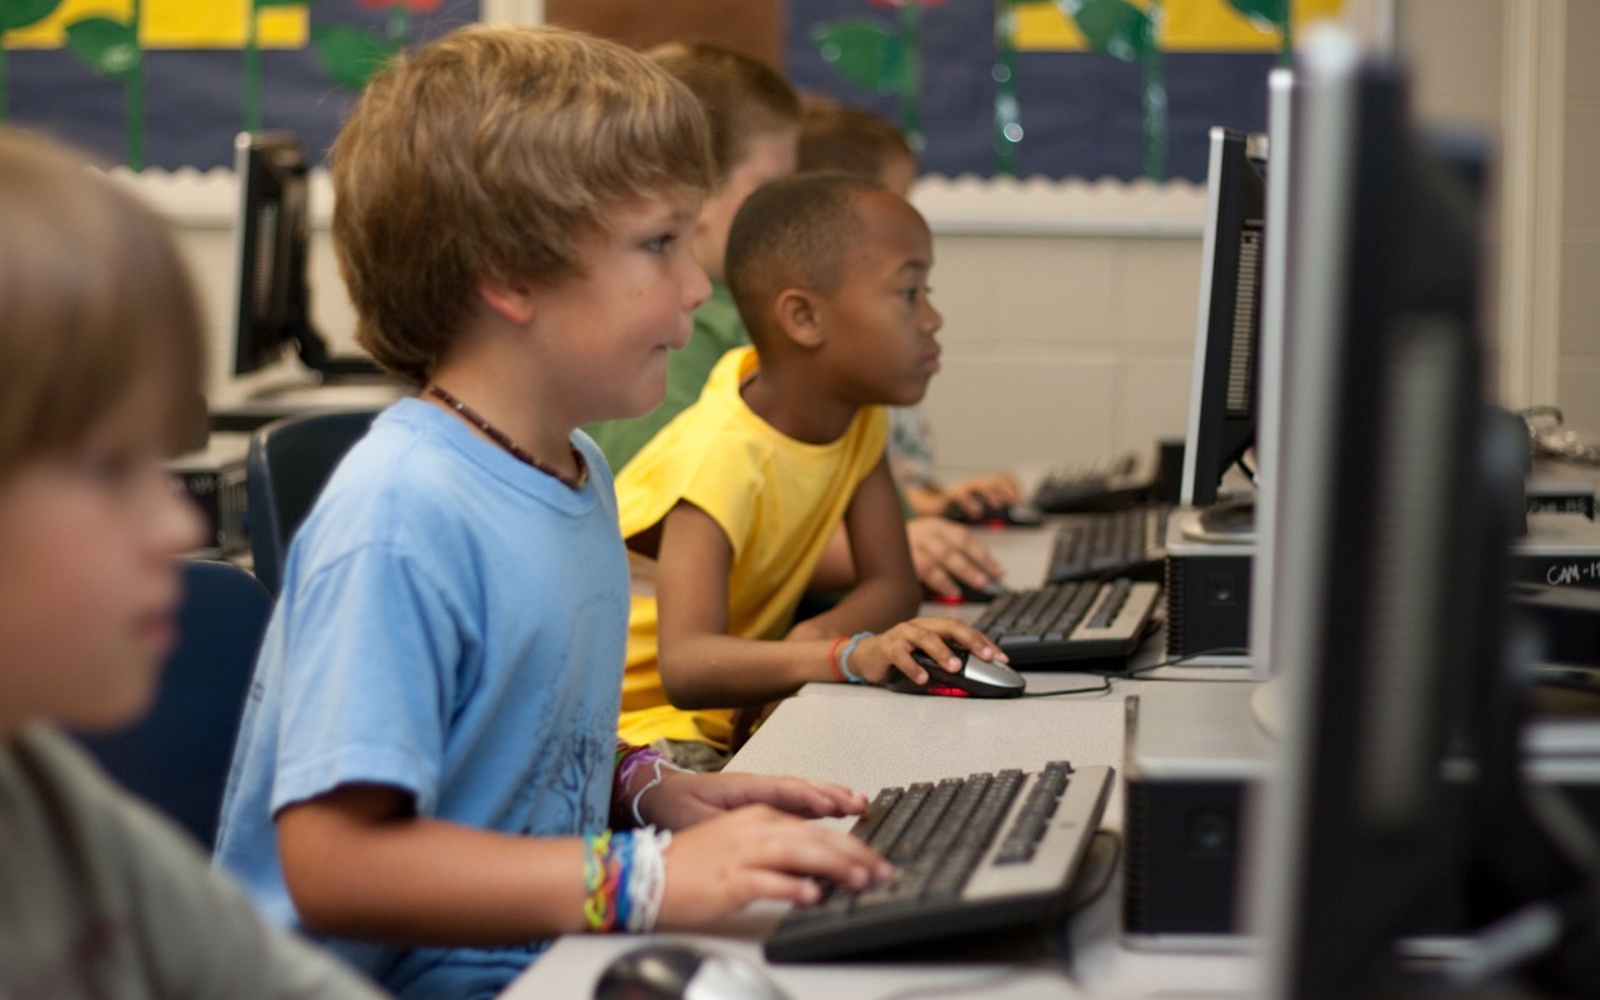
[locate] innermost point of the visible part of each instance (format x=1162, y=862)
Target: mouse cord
x=982, y=985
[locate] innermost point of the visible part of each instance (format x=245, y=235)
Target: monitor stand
x=1266, y=706
x=1229, y=522
x=293, y=389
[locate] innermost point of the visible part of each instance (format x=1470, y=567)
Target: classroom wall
x=1528, y=73
x=1069, y=318
x=1070, y=307
x=1578, y=386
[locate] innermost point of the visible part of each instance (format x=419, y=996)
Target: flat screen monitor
x=1398, y=505
x=1272, y=357
x=1223, y=399
x=272, y=301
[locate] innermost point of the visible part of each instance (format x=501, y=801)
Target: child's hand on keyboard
x=757, y=852
x=872, y=656
x=684, y=798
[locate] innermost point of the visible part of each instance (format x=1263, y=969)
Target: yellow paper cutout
x=176, y=24
x=1190, y=26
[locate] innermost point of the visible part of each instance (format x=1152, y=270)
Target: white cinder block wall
x=1069, y=308
x=1070, y=336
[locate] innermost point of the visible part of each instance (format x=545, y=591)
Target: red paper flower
x=414, y=6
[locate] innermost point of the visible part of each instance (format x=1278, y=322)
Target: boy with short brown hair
x=428, y=775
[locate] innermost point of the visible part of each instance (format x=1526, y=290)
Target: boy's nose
x=697, y=289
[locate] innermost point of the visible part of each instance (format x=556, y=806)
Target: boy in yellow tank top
x=728, y=509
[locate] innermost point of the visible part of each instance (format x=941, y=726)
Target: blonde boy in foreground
x=428, y=774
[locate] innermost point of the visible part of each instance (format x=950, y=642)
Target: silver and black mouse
x=676, y=970
x=976, y=679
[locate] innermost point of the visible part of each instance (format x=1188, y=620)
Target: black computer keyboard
x=1131, y=542
x=1063, y=622
x=970, y=854
x=1104, y=484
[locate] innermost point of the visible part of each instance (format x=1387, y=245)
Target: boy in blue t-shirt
x=427, y=775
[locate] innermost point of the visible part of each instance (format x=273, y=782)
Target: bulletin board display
x=986, y=87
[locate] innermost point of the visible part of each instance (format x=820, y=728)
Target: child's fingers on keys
x=814, y=798
x=829, y=854
x=760, y=883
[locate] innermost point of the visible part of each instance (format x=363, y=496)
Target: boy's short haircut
x=793, y=233
x=94, y=299
x=742, y=96
x=492, y=154
x=836, y=136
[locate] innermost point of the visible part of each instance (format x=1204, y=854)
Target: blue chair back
x=177, y=756
x=287, y=464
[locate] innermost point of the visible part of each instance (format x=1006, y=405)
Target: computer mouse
x=675, y=970
x=976, y=678
x=995, y=515
x=969, y=594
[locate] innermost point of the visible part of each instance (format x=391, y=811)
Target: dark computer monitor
x=1222, y=402
x=1397, y=507
x=272, y=301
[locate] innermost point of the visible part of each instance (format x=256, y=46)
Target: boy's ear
x=514, y=305
x=800, y=317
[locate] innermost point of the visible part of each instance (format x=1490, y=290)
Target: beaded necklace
x=502, y=439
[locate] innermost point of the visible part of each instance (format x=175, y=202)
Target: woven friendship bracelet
x=625, y=878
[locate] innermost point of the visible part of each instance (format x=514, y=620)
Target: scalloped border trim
x=966, y=205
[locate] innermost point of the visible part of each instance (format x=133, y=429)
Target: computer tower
x=1561, y=549
x=213, y=477
x=1195, y=754
x=1208, y=594
x=1558, y=487
x=1192, y=752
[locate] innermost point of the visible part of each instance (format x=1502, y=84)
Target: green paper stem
x=1155, y=96
x=399, y=22
x=1286, y=53
x=1007, y=112
x=911, y=76
x=134, y=113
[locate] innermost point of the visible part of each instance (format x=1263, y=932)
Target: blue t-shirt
x=452, y=623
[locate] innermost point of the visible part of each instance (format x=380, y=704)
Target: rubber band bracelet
x=833, y=658
x=844, y=659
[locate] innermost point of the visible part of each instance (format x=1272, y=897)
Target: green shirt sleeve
x=717, y=330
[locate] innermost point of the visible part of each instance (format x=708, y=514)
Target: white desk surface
x=871, y=738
